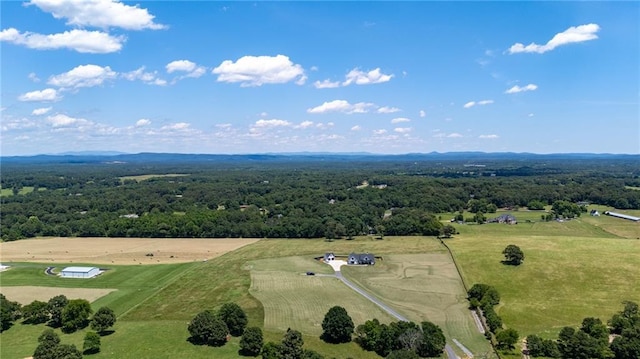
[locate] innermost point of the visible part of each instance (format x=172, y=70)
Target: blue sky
x=379, y=77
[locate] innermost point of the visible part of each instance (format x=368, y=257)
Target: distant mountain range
x=118, y=157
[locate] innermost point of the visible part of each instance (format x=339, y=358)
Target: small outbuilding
x=329, y=257
x=623, y=216
x=80, y=272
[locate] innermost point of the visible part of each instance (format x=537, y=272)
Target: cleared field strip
x=27, y=294
x=294, y=300
x=118, y=250
x=423, y=287
x=139, y=178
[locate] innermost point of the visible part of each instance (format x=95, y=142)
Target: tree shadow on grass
x=511, y=263
x=106, y=333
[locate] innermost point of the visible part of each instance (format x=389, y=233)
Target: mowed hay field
x=574, y=269
x=423, y=287
x=118, y=250
x=292, y=299
x=27, y=294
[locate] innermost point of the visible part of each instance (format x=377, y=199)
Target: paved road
x=448, y=349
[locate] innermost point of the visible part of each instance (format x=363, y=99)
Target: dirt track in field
x=117, y=250
x=27, y=294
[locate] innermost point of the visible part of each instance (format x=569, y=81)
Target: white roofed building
x=80, y=272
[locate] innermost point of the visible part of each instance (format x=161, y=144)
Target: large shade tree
x=234, y=317
x=75, y=315
x=337, y=326
x=104, y=319
x=207, y=328
x=513, y=255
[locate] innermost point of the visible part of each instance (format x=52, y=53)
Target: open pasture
x=292, y=299
x=5, y=192
x=227, y=278
x=154, y=303
x=140, y=178
x=423, y=287
x=571, y=270
x=27, y=294
x=118, y=251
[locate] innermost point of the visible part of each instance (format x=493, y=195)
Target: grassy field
x=292, y=299
x=5, y=192
x=424, y=287
x=154, y=303
x=572, y=270
x=140, y=178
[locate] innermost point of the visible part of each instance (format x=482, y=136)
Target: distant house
x=361, y=258
x=504, y=218
x=623, y=216
x=329, y=257
x=79, y=272
x=595, y=213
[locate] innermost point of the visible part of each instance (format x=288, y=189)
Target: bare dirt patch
x=27, y=294
x=118, y=250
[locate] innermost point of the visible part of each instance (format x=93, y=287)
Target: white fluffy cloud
x=422, y=113
x=259, y=70
x=379, y=132
x=191, y=68
x=40, y=111
x=573, y=34
x=454, y=135
x=180, y=126
x=181, y=65
x=143, y=122
x=402, y=129
x=478, y=103
x=490, y=137
x=326, y=84
x=271, y=123
x=150, y=78
x=42, y=95
x=358, y=77
x=342, y=106
x=61, y=120
x=356, y=128
x=516, y=88
x=305, y=124
x=94, y=42
x=83, y=76
x=400, y=120
x=387, y=109
x=99, y=13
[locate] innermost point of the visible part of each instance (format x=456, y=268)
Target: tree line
x=69, y=315
x=286, y=201
x=396, y=340
x=592, y=339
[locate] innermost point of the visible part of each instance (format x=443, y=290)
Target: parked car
x=310, y=273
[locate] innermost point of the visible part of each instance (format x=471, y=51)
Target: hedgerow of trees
x=425, y=340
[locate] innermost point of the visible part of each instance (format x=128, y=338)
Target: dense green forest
x=297, y=198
